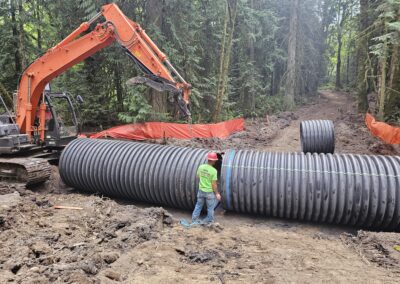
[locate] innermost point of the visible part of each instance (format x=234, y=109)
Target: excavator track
x=29, y=171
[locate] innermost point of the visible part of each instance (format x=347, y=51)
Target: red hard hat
x=212, y=156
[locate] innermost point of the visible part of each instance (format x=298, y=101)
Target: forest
x=246, y=58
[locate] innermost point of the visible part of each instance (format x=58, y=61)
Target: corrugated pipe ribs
x=356, y=190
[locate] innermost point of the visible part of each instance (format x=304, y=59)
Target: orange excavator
x=38, y=132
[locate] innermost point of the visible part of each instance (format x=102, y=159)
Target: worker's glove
x=218, y=196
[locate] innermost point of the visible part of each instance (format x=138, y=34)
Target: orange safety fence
x=384, y=131
x=159, y=130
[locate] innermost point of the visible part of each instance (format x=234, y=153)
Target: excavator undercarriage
x=28, y=162
x=30, y=171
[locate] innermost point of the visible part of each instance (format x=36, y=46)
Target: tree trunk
x=249, y=95
x=338, y=84
x=21, y=35
x=341, y=15
x=393, y=90
x=226, y=49
x=362, y=58
x=271, y=89
x=38, y=16
x=221, y=65
x=119, y=89
x=158, y=100
x=291, y=82
x=15, y=33
x=348, y=59
x=382, y=78
x=394, y=66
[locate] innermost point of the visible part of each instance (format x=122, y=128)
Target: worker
x=208, y=190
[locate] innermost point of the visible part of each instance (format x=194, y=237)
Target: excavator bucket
x=158, y=86
x=162, y=86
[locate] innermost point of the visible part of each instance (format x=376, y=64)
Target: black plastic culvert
x=317, y=136
x=144, y=172
x=356, y=190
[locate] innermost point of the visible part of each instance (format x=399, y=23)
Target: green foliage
x=390, y=24
x=137, y=108
x=190, y=33
x=270, y=105
x=342, y=25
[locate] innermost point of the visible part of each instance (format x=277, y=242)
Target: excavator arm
x=73, y=49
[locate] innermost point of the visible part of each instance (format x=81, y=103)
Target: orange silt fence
x=159, y=130
x=386, y=132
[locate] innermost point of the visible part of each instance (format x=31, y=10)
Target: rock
x=111, y=274
x=180, y=250
x=284, y=123
x=34, y=269
x=110, y=257
x=43, y=202
x=202, y=257
x=90, y=268
x=40, y=248
x=216, y=227
x=239, y=266
x=168, y=220
x=10, y=200
x=93, y=265
x=80, y=277
x=54, y=237
x=252, y=266
x=16, y=267
x=65, y=266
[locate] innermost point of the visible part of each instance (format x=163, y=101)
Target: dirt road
x=352, y=136
x=111, y=241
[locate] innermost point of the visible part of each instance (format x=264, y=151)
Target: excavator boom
x=74, y=49
x=39, y=127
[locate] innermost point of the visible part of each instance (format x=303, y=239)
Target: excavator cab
x=61, y=125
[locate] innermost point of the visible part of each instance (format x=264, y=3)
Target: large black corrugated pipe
x=317, y=136
x=362, y=191
x=357, y=190
x=151, y=173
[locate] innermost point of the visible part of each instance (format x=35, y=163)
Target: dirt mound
x=257, y=135
x=64, y=246
x=352, y=135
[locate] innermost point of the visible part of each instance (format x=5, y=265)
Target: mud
x=382, y=249
x=40, y=244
